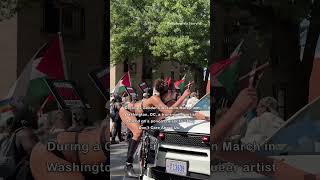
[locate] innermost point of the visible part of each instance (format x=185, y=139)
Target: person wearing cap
x=265, y=124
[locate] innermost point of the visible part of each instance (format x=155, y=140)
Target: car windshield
x=301, y=134
x=203, y=104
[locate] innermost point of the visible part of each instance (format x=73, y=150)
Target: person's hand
x=246, y=99
x=186, y=93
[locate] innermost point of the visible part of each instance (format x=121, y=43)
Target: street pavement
x=118, y=157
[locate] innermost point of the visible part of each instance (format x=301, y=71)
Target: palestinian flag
x=226, y=73
x=125, y=81
x=180, y=84
x=48, y=62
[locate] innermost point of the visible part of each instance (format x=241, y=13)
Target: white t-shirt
x=191, y=102
x=261, y=128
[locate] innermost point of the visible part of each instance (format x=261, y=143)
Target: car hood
x=184, y=123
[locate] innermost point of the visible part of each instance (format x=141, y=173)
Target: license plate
x=176, y=167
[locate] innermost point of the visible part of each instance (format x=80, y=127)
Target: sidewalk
x=118, y=156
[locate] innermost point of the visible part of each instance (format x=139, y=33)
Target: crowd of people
x=257, y=124
x=134, y=114
x=256, y=128
x=116, y=102
x=25, y=152
x=50, y=146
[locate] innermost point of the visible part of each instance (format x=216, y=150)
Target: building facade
x=81, y=23
x=145, y=69
x=8, y=55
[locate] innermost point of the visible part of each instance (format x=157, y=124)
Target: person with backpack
x=16, y=148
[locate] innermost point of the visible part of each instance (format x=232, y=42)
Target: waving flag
x=125, y=81
x=226, y=72
x=48, y=62
x=180, y=84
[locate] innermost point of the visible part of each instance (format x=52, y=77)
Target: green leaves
x=174, y=30
x=7, y=9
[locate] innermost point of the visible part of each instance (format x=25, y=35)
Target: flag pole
x=40, y=111
x=129, y=78
x=63, y=57
x=258, y=69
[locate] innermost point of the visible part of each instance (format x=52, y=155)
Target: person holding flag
x=245, y=100
x=48, y=62
x=226, y=72
x=180, y=84
x=148, y=108
x=27, y=93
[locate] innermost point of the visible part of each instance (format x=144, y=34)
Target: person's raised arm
x=178, y=103
x=157, y=102
x=245, y=100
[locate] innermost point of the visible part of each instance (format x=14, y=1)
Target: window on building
x=72, y=24
x=51, y=17
x=67, y=18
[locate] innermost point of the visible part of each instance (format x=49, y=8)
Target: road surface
x=118, y=155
